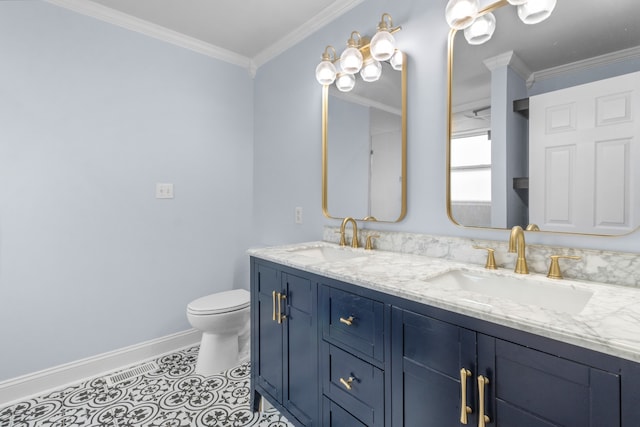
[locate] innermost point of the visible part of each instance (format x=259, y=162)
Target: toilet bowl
x=221, y=317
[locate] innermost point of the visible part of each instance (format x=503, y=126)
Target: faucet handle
x=343, y=240
x=491, y=259
x=554, y=267
x=369, y=244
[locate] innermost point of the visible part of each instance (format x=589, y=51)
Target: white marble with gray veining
x=609, y=323
x=616, y=268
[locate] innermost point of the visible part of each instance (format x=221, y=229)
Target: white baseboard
x=37, y=383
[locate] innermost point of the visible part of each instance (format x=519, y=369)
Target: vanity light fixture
x=371, y=69
x=535, y=11
x=481, y=30
x=397, y=60
x=345, y=82
x=326, y=71
x=461, y=13
x=351, y=59
x=479, y=25
x=361, y=55
x=383, y=44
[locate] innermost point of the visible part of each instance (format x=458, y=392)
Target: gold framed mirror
x=506, y=97
x=364, y=148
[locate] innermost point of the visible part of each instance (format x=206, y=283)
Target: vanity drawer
x=353, y=322
x=356, y=384
x=334, y=416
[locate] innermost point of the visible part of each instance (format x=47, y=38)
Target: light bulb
x=351, y=60
x=461, y=13
x=517, y=2
x=536, y=11
x=481, y=30
x=371, y=70
x=345, y=82
x=325, y=73
x=397, y=60
x=383, y=44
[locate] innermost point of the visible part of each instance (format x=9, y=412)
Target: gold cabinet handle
x=273, y=299
x=348, y=321
x=482, y=418
x=464, y=409
x=347, y=383
x=280, y=316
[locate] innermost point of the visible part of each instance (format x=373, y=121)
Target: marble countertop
x=609, y=322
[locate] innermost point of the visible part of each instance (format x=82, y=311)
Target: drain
x=131, y=373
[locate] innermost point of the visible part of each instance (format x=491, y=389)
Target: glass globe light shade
x=351, y=60
x=517, y=2
x=536, y=11
x=481, y=30
x=397, y=60
x=461, y=13
x=382, y=46
x=325, y=73
x=371, y=70
x=345, y=82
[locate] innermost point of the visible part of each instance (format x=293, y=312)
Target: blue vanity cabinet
x=333, y=354
x=428, y=356
x=353, y=360
x=284, y=342
x=436, y=371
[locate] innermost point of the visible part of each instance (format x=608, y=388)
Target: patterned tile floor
x=173, y=396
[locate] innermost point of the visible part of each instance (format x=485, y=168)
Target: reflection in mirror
x=544, y=121
x=364, y=148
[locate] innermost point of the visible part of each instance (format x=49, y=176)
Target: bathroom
x=95, y=115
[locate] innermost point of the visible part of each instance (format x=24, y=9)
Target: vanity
x=348, y=337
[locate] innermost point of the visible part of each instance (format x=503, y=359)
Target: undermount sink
x=329, y=253
x=526, y=290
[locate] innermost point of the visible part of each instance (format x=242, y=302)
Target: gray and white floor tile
x=172, y=396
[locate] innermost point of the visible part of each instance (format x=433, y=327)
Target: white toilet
x=221, y=317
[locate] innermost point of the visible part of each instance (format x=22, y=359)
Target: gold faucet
x=354, y=240
x=516, y=243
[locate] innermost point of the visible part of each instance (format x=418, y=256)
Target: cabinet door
x=301, y=390
x=267, y=333
x=428, y=356
x=529, y=388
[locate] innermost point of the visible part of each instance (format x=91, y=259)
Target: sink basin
x=528, y=291
x=329, y=253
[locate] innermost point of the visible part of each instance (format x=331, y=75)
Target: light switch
x=164, y=191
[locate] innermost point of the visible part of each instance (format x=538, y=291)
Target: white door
x=583, y=149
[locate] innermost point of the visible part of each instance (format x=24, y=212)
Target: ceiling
x=243, y=32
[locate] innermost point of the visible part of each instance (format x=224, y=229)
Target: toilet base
x=218, y=352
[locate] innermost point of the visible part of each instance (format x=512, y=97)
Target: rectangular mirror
x=544, y=121
x=364, y=144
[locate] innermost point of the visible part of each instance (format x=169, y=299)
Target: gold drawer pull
x=347, y=383
x=273, y=298
x=348, y=321
x=482, y=418
x=464, y=409
x=280, y=316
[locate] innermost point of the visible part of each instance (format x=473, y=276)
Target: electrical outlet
x=164, y=191
x=298, y=215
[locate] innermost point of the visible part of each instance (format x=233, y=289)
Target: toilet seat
x=222, y=302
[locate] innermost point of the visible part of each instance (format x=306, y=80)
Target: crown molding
x=332, y=12
x=511, y=60
x=606, y=59
x=106, y=14
x=112, y=16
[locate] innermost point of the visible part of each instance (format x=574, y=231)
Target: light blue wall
x=91, y=117
x=287, y=140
